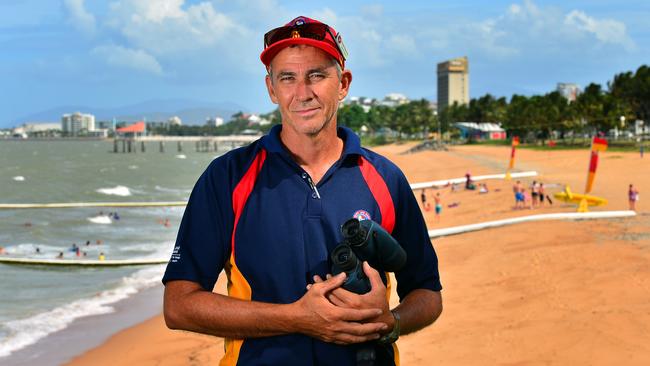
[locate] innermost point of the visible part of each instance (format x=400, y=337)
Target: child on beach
x=632, y=196
x=528, y=200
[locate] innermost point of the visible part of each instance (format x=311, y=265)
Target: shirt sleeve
x=203, y=242
x=421, y=269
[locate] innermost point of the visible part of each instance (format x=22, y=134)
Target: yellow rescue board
x=570, y=197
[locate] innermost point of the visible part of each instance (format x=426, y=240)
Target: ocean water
x=37, y=301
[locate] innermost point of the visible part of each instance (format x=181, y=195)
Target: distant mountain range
x=191, y=112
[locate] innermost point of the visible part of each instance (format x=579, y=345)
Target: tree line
x=626, y=99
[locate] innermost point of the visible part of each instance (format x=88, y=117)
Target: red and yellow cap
x=303, y=30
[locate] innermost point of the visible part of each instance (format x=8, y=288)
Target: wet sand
x=543, y=293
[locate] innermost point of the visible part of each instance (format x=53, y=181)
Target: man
x=270, y=213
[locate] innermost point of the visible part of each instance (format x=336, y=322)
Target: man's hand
x=374, y=299
x=319, y=317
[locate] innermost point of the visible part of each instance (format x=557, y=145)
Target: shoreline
x=89, y=332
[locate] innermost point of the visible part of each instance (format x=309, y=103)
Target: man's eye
x=286, y=78
x=316, y=76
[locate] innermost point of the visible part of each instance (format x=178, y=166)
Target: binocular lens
x=353, y=232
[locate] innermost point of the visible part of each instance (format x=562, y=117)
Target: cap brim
x=269, y=53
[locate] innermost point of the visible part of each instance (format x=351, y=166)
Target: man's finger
x=358, y=315
x=332, y=283
x=373, y=276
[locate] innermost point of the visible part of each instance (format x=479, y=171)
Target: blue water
x=39, y=300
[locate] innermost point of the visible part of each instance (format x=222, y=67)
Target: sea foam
x=23, y=332
x=100, y=219
x=19, y=178
x=116, y=191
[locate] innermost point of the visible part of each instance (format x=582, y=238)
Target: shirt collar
x=351, y=142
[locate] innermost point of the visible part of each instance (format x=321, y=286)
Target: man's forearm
x=215, y=314
x=189, y=307
x=419, y=308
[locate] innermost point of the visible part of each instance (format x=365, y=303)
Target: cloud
x=130, y=58
x=605, y=30
x=402, y=44
x=79, y=17
x=526, y=29
x=168, y=26
x=373, y=11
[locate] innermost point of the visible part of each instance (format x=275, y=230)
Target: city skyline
x=111, y=54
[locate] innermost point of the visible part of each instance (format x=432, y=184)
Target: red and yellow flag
x=597, y=144
x=515, y=143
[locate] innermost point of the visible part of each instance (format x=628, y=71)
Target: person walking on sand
x=542, y=194
x=517, y=189
x=534, y=189
x=423, y=196
x=438, y=202
x=632, y=197
x=270, y=213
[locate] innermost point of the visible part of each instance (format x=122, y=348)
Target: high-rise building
x=569, y=90
x=453, y=82
x=77, y=122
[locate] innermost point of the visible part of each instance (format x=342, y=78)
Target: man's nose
x=304, y=91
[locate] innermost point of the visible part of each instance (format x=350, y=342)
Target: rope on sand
x=516, y=220
x=442, y=183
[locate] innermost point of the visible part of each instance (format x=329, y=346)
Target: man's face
x=307, y=89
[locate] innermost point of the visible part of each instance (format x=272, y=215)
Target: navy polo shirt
x=256, y=214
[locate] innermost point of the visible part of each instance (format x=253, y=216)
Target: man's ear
x=269, y=88
x=344, y=86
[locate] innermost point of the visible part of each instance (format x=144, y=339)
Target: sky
x=113, y=53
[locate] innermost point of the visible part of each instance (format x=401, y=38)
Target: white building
x=31, y=127
x=214, y=121
x=254, y=119
x=394, y=99
x=569, y=90
x=77, y=122
x=175, y=121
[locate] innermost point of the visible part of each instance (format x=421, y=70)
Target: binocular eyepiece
x=367, y=241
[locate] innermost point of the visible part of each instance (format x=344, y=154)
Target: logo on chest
x=361, y=215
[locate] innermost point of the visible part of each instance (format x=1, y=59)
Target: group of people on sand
x=530, y=198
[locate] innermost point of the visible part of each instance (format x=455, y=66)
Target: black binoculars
x=367, y=241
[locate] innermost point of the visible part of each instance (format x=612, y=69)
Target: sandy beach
x=542, y=293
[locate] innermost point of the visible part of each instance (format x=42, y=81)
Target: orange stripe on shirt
x=238, y=287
